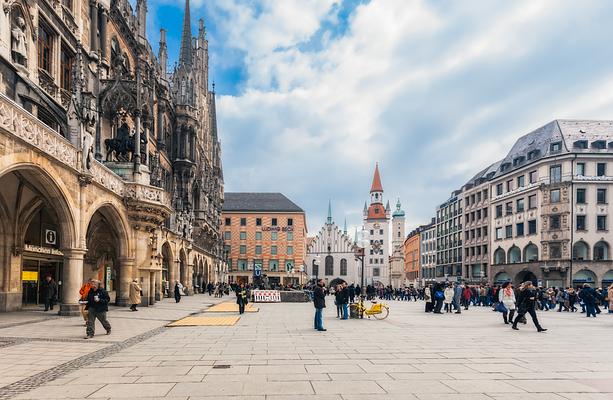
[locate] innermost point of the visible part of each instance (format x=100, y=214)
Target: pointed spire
x=355, y=237
x=185, y=56
x=376, y=181
x=387, y=206
x=345, y=228
x=329, y=211
x=365, y=208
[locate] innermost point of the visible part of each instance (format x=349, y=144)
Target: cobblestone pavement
x=276, y=354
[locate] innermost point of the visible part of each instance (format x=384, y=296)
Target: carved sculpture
x=121, y=147
x=18, y=41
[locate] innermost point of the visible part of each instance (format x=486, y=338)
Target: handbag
x=500, y=307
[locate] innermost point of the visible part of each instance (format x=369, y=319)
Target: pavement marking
x=206, y=321
x=230, y=307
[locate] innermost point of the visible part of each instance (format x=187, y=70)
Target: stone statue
x=18, y=41
x=87, y=141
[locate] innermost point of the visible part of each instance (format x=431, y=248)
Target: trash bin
x=353, y=311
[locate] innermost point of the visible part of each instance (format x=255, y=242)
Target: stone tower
x=397, y=257
x=376, y=226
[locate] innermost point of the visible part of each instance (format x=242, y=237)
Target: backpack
x=439, y=295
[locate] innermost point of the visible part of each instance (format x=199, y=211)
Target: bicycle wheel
x=385, y=311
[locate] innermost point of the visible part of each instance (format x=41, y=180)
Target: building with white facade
x=376, y=227
x=330, y=254
x=398, y=276
x=427, y=252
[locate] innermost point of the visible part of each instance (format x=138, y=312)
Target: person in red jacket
x=466, y=296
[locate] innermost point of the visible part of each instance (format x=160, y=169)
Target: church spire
x=185, y=56
x=345, y=228
x=329, y=211
x=376, y=181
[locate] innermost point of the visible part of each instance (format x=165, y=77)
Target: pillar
x=136, y=155
x=103, y=22
x=151, y=293
x=159, y=293
x=145, y=282
x=72, y=279
x=190, y=278
x=126, y=266
x=93, y=26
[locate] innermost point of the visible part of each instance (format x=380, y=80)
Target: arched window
x=329, y=265
x=601, y=251
x=514, y=255
x=315, y=268
x=499, y=256
x=343, y=267
x=580, y=251
x=531, y=253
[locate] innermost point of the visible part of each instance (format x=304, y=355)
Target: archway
x=584, y=276
x=499, y=256
x=207, y=273
x=167, y=269
x=531, y=253
x=601, y=251
x=525, y=276
x=581, y=251
x=514, y=255
x=607, y=279
x=37, y=234
x=183, y=268
x=106, y=240
x=501, y=278
x=203, y=281
x=195, y=272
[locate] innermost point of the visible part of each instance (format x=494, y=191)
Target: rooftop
x=259, y=202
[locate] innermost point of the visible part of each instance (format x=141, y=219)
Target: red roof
x=376, y=181
x=376, y=211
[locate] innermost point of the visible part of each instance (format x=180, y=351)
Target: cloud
x=434, y=91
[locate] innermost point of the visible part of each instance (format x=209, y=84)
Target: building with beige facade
x=110, y=165
x=264, y=238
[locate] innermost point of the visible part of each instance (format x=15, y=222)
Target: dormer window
x=505, y=166
x=580, y=144
x=518, y=160
x=532, y=154
x=555, y=147
x=599, y=144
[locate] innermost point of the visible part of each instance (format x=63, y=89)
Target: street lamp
x=360, y=254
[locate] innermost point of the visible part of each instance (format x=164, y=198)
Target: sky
x=312, y=93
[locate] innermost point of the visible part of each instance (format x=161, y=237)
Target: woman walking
x=135, y=295
x=506, y=296
x=448, y=298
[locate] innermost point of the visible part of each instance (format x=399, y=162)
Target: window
x=258, y=222
x=532, y=201
x=554, y=195
x=509, y=208
x=509, y=185
x=290, y=250
x=372, y=232
x=520, y=205
x=532, y=176
x=243, y=249
x=519, y=229
x=242, y=265
x=376, y=261
x=556, y=146
x=555, y=174
x=315, y=269
x=601, y=169
x=521, y=181
x=499, y=189
x=532, y=227
x=274, y=222
x=499, y=211
x=258, y=249
x=375, y=272
x=273, y=250
x=601, y=222
x=290, y=222
x=228, y=222
x=258, y=236
x=380, y=231
x=66, y=60
x=227, y=235
x=580, y=196
x=555, y=250
x=508, y=231
x=274, y=235
x=273, y=265
x=45, y=48
x=580, y=144
x=289, y=265
x=599, y=144
x=290, y=236
x=243, y=236
x=329, y=263
x=554, y=222
x=343, y=267
x=243, y=221
x=580, y=222
x=601, y=196
x=581, y=169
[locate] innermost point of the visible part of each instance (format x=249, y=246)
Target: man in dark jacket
x=48, y=292
x=345, y=300
x=526, y=303
x=589, y=296
x=97, y=305
x=319, y=301
x=242, y=298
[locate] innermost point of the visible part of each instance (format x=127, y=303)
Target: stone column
x=103, y=22
x=160, y=127
x=144, y=285
x=159, y=293
x=72, y=279
x=93, y=26
x=136, y=155
x=190, y=278
x=126, y=266
x=152, y=291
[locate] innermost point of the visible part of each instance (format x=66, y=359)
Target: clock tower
x=376, y=227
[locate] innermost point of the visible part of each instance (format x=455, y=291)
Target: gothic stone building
x=109, y=164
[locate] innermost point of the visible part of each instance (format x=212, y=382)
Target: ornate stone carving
x=107, y=178
x=19, y=50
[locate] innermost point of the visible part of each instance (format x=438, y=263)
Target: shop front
x=38, y=263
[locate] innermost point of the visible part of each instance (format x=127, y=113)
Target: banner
x=266, y=296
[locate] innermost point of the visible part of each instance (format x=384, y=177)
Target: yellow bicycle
x=377, y=310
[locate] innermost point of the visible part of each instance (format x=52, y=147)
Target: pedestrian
x=351, y=291
x=506, y=296
x=345, y=300
x=526, y=303
x=428, y=298
x=242, y=298
x=448, y=294
x=319, y=301
x=209, y=288
x=49, y=292
x=83, y=299
x=338, y=301
x=466, y=296
x=457, y=297
x=135, y=295
x=178, y=293
x=97, y=306
x=588, y=295
x=439, y=296
x=610, y=298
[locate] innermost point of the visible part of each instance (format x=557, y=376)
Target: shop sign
x=266, y=296
x=50, y=236
x=29, y=276
x=278, y=229
x=42, y=250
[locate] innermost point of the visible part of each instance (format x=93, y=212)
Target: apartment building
x=449, y=238
x=427, y=240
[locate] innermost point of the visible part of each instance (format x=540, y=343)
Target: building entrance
x=34, y=272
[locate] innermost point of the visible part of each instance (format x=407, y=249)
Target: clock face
x=376, y=225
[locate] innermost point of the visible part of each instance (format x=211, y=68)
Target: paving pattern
x=227, y=320
x=230, y=307
x=276, y=354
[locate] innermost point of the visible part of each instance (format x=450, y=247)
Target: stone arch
x=183, y=267
x=502, y=277
x=118, y=221
x=195, y=272
x=168, y=268
x=531, y=252
x=499, y=256
x=584, y=276
x=607, y=279
x=514, y=255
x=207, y=271
x=524, y=276
x=581, y=251
x=329, y=265
x=203, y=281
x=601, y=251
